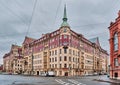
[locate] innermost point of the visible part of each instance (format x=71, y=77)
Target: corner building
x=114, y=30
x=65, y=52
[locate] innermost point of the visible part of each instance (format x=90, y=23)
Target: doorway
x=66, y=73
x=115, y=75
x=37, y=72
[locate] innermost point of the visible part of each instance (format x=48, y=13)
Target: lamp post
x=108, y=70
x=32, y=64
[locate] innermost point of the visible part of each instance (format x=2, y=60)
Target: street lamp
x=32, y=64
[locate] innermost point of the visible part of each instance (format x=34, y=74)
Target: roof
x=65, y=18
x=28, y=40
x=95, y=40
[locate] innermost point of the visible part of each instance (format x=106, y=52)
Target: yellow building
x=65, y=52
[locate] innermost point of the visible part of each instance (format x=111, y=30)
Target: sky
x=20, y=18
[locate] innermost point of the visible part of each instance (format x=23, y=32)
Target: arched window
x=115, y=42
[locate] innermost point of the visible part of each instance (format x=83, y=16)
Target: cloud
x=90, y=18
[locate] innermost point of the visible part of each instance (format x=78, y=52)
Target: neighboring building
x=11, y=60
x=63, y=51
x=1, y=68
x=114, y=41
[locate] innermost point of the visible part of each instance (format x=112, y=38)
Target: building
x=114, y=30
x=11, y=60
x=1, y=68
x=63, y=51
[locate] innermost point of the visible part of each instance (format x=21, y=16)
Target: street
x=37, y=80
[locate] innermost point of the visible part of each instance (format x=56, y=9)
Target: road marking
x=62, y=82
x=75, y=82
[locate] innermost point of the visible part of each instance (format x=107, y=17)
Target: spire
x=65, y=18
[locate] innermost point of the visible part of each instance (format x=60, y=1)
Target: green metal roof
x=65, y=18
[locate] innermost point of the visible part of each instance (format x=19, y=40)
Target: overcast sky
x=88, y=17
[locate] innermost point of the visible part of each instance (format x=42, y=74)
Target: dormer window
x=65, y=29
x=65, y=36
x=115, y=42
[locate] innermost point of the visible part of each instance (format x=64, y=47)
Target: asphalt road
x=37, y=80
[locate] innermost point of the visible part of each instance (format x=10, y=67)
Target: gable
x=28, y=40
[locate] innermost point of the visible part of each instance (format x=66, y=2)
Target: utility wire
x=60, y=1
x=16, y=1
x=12, y=34
x=31, y=17
x=11, y=11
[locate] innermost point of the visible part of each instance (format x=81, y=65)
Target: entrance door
x=116, y=75
x=37, y=72
x=66, y=73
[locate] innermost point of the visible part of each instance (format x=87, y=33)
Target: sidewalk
x=114, y=81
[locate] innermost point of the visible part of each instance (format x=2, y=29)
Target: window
x=52, y=59
x=115, y=42
x=73, y=65
x=65, y=50
x=55, y=52
x=73, y=52
x=52, y=65
x=65, y=36
x=73, y=60
x=70, y=67
x=65, y=58
x=60, y=58
x=52, y=52
x=60, y=65
x=55, y=58
x=69, y=51
x=65, y=29
x=60, y=51
x=55, y=65
x=78, y=53
x=78, y=59
x=65, y=65
x=69, y=58
x=116, y=62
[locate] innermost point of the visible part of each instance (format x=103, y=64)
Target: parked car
x=95, y=74
x=43, y=74
x=50, y=73
x=108, y=75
